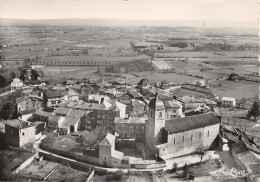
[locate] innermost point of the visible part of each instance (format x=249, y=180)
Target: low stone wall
x=74, y=164
x=150, y=165
x=25, y=163
x=76, y=156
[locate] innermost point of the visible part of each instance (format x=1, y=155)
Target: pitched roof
x=116, y=154
x=108, y=140
x=69, y=121
x=135, y=120
x=190, y=123
x=62, y=110
x=172, y=104
x=16, y=123
x=42, y=112
x=76, y=112
x=156, y=103
x=30, y=111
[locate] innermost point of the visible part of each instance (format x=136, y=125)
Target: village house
x=245, y=104
x=108, y=156
x=42, y=115
x=228, y=102
x=64, y=125
x=71, y=95
x=99, y=98
x=173, y=109
x=19, y=133
x=16, y=84
x=132, y=127
x=54, y=98
x=27, y=105
x=181, y=136
x=104, y=114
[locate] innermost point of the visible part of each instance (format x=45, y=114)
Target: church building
x=178, y=136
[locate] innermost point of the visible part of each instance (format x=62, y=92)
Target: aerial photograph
x=129, y=90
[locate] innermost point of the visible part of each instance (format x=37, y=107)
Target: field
x=170, y=77
x=10, y=159
x=68, y=174
x=39, y=170
x=66, y=72
x=235, y=89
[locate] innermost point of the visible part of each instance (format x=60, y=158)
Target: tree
x=201, y=152
x=2, y=81
x=175, y=166
x=12, y=75
x=6, y=111
x=185, y=170
x=254, y=111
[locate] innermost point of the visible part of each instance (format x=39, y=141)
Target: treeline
x=129, y=67
x=221, y=47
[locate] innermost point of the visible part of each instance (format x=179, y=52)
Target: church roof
x=190, y=123
x=156, y=103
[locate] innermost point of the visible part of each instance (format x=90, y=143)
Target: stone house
x=108, y=156
x=19, y=133
x=16, y=84
x=28, y=103
x=64, y=125
x=132, y=127
x=228, y=102
x=54, y=98
x=42, y=115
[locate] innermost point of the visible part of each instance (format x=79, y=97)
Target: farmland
x=187, y=54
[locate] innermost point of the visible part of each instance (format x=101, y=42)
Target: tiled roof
x=69, y=121
x=20, y=99
x=190, y=123
x=130, y=120
x=30, y=111
x=156, y=103
x=62, y=110
x=118, y=155
x=55, y=118
x=42, y=112
x=108, y=140
x=55, y=94
x=76, y=112
x=16, y=123
x=172, y=104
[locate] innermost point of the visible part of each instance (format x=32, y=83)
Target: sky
x=203, y=10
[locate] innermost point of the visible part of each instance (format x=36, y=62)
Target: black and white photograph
x=129, y=90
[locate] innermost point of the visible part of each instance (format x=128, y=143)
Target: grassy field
x=66, y=72
x=235, y=89
x=67, y=174
x=170, y=77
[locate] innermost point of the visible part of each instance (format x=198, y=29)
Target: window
x=23, y=133
x=131, y=127
x=208, y=133
x=191, y=137
x=174, y=141
x=105, y=157
x=200, y=135
x=119, y=127
x=160, y=114
x=151, y=113
x=183, y=138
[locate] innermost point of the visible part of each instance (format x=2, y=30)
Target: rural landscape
x=126, y=100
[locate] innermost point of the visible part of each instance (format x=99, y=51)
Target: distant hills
x=124, y=23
